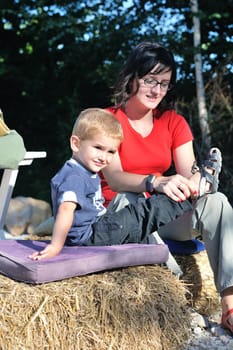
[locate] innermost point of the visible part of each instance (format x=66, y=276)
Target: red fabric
x=151, y=154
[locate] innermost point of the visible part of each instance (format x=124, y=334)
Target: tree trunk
x=202, y=110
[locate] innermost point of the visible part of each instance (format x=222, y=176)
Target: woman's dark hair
x=140, y=62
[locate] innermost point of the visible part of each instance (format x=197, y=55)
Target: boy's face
x=96, y=153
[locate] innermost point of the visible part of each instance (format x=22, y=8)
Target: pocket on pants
x=108, y=233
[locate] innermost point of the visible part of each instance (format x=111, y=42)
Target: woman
x=154, y=137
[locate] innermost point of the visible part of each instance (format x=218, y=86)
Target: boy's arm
x=61, y=228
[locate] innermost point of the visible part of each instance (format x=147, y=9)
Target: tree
x=60, y=57
x=202, y=110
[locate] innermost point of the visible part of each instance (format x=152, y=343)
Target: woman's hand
x=177, y=187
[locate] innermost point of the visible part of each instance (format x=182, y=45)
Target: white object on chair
x=7, y=185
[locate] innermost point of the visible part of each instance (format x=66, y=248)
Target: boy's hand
x=49, y=252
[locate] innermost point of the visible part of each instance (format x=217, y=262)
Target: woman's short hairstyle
x=93, y=121
x=140, y=62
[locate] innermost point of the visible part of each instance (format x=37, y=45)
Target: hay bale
x=135, y=308
x=198, y=277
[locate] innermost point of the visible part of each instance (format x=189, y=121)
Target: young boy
x=80, y=216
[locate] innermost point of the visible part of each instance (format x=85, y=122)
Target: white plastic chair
x=8, y=183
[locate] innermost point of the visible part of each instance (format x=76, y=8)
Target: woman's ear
x=74, y=143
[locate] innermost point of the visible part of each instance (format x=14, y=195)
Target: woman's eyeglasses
x=152, y=83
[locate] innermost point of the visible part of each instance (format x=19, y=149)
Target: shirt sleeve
x=69, y=196
x=68, y=190
x=181, y=131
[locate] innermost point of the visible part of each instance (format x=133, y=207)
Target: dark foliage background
x=59, y=57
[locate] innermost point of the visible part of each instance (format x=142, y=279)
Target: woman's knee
x=217, y=198
x=213, y=199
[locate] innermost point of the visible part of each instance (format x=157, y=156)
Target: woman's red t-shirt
x=151, y=154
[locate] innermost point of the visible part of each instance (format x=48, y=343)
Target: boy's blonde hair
x=92, y=121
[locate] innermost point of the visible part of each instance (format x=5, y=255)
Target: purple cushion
x=73, y=261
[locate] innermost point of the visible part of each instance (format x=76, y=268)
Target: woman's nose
x=156, y=88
